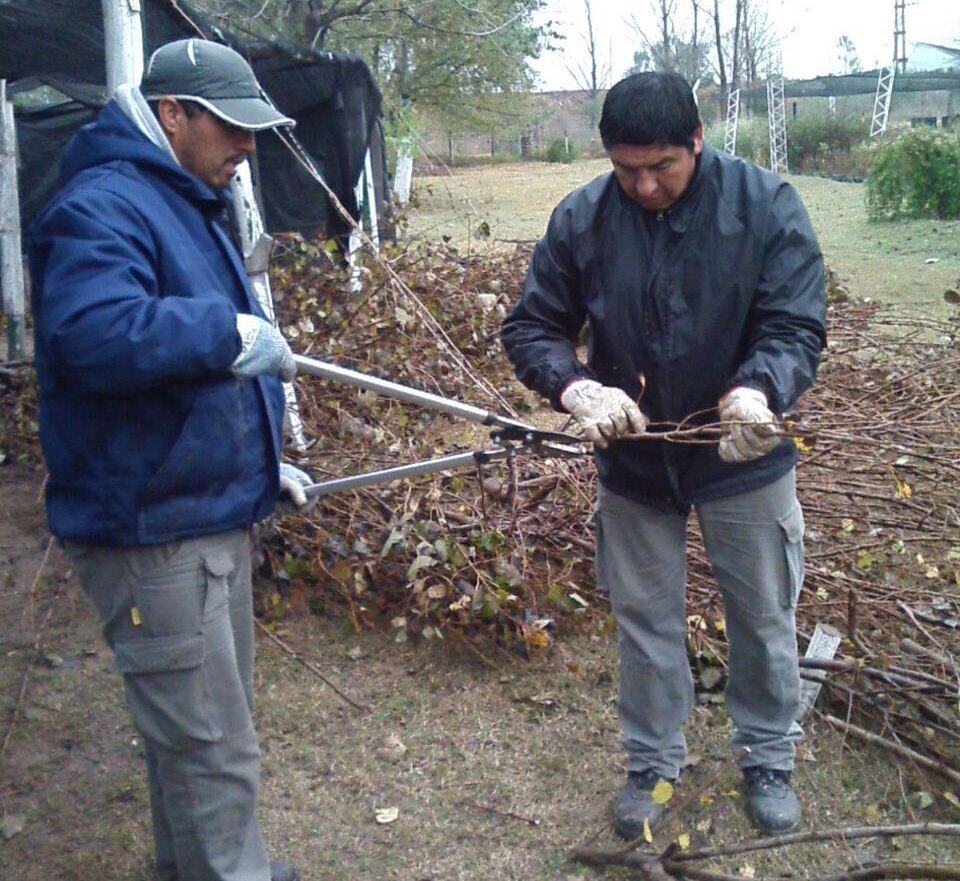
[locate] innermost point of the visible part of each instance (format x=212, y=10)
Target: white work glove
x=264, y=351
x=750, y=430
x=604, y=413
x=293, y=499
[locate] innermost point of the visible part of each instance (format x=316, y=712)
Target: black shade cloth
x=332, y=96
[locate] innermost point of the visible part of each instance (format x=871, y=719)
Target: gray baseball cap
x=214, y=76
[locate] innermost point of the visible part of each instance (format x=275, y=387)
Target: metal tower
x=899, y=35
x=733, y=120
x=777, y=121
x=881, y=104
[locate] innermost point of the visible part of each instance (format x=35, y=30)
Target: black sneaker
x=635, y=804
x=772, y=804
x=281, y=871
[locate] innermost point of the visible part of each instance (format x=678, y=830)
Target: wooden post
x=123, y=42
x=11, y=263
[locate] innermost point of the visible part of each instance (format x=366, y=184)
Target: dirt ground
x=505, y=764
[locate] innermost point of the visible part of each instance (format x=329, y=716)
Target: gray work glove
x=293, y=499
x=749, y=429
x=604, y=412
x=264, y=351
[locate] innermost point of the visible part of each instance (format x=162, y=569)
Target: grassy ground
x=887, y=261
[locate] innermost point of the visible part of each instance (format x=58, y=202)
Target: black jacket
x=723, y=289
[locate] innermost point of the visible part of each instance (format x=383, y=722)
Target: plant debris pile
x=508, y=547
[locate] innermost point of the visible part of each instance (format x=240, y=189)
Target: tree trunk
x=721, y=67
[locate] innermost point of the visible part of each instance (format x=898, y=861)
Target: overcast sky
x=808, y=29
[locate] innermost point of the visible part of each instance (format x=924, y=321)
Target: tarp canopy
x=332, y=96
x=862, y=83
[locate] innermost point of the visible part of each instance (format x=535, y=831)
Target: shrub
x=917, y=175
x=823, y=143
x=560, y=150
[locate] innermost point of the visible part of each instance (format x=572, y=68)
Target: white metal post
x=732, y=123
x=11, y=264
x=123, y=42
x=881, y=103
x=255, y=245
x=371, y=202
x=777, y=123
x=403, y=176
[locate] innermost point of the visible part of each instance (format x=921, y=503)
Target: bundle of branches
x=510, y=549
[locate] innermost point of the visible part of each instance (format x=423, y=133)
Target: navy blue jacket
x=147, y=435
x=724, y=289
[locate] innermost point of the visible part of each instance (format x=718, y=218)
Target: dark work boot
x=635, y=804
x=281, y=871
x=772, y=804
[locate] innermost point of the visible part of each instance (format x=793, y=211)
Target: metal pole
x=371, y=193
x=11, y=263
x=431, y=466
x=255, y=245
x=513, y=430
x=399, y=392
x=123, y=42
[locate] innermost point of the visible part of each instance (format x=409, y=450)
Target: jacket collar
x=681, y=212
x=112, y=136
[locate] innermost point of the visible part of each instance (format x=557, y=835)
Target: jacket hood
x=113, y=137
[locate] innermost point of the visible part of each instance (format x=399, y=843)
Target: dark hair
x=190, y=108
x=650, y=108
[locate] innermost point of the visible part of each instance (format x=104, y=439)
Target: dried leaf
x=386, y=815
x=662, y=792
x=872, y=814
x=647, y=833
x=952, y=798
x=684, y=841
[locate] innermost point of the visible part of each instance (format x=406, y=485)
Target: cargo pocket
x=791, y=526
x=217, y=566
x=165, y=690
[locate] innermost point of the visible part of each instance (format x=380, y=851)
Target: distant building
x=931, y=57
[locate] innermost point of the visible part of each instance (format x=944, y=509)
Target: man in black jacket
x=702, y=284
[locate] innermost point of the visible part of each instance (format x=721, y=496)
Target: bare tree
x=674, y=47
x=594, y=77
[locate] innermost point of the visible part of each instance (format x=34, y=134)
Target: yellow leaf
x=846, y=524
x=684, y=841
x=952, y=798
x=904, y=491
x=647, y=834
x=662, y=792
x=872, y=813
x=538, y=638
x=721, y=625
x=706, y=800
x=801, y=445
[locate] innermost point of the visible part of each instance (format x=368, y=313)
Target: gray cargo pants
x=179, y=618
x=754, y=542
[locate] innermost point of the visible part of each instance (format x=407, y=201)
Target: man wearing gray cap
x=161, y=410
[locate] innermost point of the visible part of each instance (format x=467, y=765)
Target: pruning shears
x=509, y=436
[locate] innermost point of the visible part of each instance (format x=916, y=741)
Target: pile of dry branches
x=510, y=549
